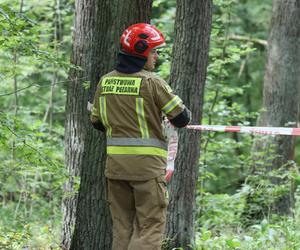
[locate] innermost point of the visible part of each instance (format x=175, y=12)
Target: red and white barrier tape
x=172, y=151
x=173, y=139
x=249, y=130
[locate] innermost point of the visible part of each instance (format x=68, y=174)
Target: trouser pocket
x=163, y=196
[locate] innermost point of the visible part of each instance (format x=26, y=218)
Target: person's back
x=133, y=105
x=129, y=104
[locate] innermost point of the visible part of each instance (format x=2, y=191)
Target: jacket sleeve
x=95, y=115
x=182, y=119
x=170, y=104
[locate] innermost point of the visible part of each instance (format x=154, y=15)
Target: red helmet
x=138, y=39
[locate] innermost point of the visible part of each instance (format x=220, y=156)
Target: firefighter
x=128, y=105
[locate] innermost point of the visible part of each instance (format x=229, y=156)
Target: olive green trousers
x=138, y=210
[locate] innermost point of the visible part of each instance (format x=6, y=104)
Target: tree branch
x=31, y=147
x=36, y=85
x=247, y=39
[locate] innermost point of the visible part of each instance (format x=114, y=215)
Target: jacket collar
x=130, y=64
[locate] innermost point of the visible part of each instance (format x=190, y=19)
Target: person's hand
x=89, y=106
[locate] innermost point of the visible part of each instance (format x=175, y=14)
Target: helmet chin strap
x=160, y=46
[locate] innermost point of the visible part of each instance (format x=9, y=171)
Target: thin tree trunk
x=16, y=104
x=188, y=75
x=16, y=85
x=56, y=39
x=281, y=102
x=49, y=110
x=98, y=27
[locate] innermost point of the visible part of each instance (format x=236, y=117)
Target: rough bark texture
x=188, y=75
x=282, y=77
x=98, y=27
x=281, y=96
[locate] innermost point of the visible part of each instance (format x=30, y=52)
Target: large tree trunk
x=281, y=101
x=188, y=75
x=98, y=27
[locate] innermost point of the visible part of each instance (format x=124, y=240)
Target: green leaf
x=233, y=243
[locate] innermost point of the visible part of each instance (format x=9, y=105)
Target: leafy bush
x=31, y=180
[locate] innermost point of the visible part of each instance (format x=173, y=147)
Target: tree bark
x=281, y=99
x=98, y=27
x=188, y=75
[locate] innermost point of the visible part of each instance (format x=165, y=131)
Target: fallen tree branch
x=248, y=39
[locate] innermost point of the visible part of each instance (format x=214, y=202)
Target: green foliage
x=275, y=233
x=226, y=155
x=228, y=188
x=233, y=96
x=34, y=55
x=35, y=47
x=32, y=174
x=269, y=188
x=23, y=36
x=164, y=13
